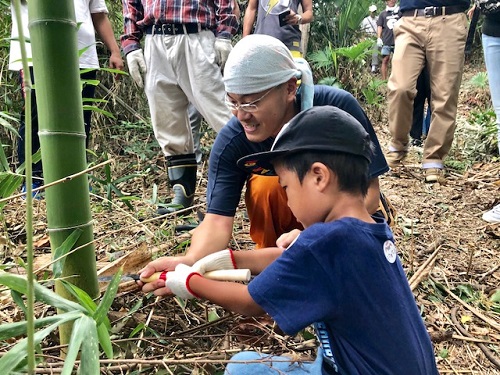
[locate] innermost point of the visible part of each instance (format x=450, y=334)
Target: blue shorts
x=387, y=50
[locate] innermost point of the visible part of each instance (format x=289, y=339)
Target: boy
x=342, y=272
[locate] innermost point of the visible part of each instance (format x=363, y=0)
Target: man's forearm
x=213, y=234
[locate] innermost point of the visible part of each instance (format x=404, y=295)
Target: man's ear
x=291, y=88
x=322, y=175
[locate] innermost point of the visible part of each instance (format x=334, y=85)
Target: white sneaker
x=493, y=215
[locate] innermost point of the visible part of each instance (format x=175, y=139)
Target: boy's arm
x=103, y=27
x=256, y=260
x=232, y=296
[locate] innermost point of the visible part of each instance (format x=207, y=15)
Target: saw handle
x=221, y=275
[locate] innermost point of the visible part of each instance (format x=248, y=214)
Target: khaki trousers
x=182, y=69
x=440, y=41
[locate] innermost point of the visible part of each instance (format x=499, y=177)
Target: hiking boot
x=493, y=215
x=394, y=158
x=434, y=175
x=182, y=178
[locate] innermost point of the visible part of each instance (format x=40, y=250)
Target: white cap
x=372, y=8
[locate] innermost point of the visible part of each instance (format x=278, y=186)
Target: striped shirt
x=215, y=15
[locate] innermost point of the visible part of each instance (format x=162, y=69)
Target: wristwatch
x=299, y=18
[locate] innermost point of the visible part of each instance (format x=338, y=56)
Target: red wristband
x=187, y=284
x=232, y=259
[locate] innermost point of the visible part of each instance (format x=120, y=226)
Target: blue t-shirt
x=347, y=275
x=405, y=5
x=226, y=179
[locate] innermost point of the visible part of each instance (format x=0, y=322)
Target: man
x=385, y=35
x=369, y=27
x=261, y=85
x=432, y=31
x=186, y=45
x=268, y=21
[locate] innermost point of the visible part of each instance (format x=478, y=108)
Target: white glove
x=380, y=43
x=137, y=66
x=221, y=260
x=222, y=48
x=178, y=281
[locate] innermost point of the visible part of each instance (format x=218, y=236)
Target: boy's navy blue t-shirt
x=226, y=179
x=347, y=275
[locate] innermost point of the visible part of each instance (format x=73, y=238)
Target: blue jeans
x=491, y=48
x=273, y=365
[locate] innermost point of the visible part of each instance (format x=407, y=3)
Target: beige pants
x=182, y=69
x=440, y=41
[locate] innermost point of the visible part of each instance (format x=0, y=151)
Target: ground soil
x=450, y=255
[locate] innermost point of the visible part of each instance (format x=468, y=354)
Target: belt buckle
x=167, y=28
x=430, y=11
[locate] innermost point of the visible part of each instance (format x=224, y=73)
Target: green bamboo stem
x=30, y=297
x=62, y=139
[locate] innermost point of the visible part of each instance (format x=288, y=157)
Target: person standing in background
x=491, y=48
x=92, y=17
x=268, y=21
x=385, y=35
x=432, y=32
x=369, y=27
x=185, y=49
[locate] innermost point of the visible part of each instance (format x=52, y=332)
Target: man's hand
x=178, y=281
x=221, y=260
x=159, y=265
x=137, y=66
x=380, y=43
x=222, y=48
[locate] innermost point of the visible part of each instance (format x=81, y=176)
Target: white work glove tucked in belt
x=137, y=66
x=221, y=260
x=222, y=48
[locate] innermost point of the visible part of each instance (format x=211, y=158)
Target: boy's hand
x=159, y=265
x=221, y=260
x=286, y=239
x=178, y=281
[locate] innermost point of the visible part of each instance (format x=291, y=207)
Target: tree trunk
x=53, y=31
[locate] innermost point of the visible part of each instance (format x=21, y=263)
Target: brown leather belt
x=174, y=28
x=433, y=11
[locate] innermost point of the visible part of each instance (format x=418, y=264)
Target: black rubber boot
x=182, y=177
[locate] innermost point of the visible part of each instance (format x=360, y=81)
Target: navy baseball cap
x=323, y=128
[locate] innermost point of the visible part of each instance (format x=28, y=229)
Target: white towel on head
x=260, y=62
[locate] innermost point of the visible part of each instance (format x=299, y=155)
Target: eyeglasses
x=247, y=107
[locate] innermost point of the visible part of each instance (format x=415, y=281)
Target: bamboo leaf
x=61, y=251
x=35, y=158
x=101, y=313
x=82, y=297
x=89, y=363
x=19, y=284
x=3, y=160
x=105, y=340
x=18, y=353
x=4, y=121
x=9, y=330
x=16, y=296
x=113, y=71
x=79, y=332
